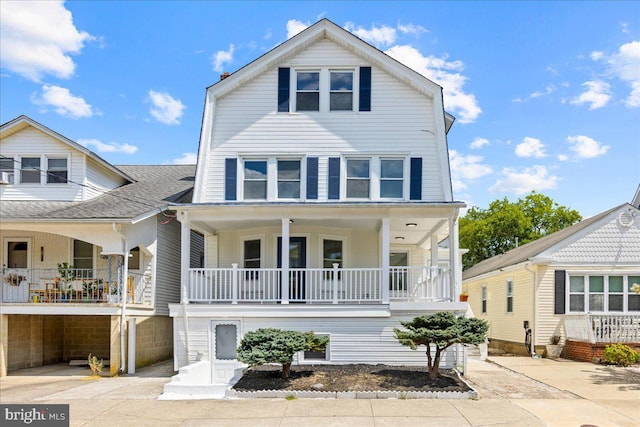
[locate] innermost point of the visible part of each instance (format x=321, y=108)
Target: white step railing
x=317, y=285
x=603, y=328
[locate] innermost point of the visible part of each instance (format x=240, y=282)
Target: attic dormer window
x=341, y=91
x=56, y=171
x=30, y=170
x=308, y=91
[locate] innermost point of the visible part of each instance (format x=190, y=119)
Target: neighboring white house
x=323, y=190
x=61, y=203
x=575, y=283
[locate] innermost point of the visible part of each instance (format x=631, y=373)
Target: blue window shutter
x=312, y=178
x=230, y=178
x=559, y=291
x=415, y=184
x=334, y=178
x=283, y=90
x=365, y=88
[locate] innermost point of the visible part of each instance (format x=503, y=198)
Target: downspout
x=533, y=309
x=123, y=295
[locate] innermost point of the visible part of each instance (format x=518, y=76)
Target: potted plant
x=464, y=296
x=554, y=348
x=112, y=297
x=67, y=274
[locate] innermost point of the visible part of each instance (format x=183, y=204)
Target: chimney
x=225, y=75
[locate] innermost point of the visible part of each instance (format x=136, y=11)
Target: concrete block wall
x=84, y=335
x=154, y=340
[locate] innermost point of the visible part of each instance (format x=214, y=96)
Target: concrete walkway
x=507, y=398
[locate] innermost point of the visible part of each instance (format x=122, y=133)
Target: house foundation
x=584, y=351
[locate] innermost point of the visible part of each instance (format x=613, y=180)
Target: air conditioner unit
x=6, y=178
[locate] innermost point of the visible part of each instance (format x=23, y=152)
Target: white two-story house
x=89, y=253
x=322, y=190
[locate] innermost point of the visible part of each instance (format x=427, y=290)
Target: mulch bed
x=337, y=378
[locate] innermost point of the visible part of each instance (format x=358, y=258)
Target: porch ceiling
x=412, y=225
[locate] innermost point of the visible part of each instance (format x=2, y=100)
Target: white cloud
x=63, y=102
x=416, y=30
x=535, y=178
x=38, y=37
x=466, y=168
x=294, y=27
x=597, y=95
x=111, y=147
x=186, y=159
x=547, y=91
x=563, y=157
x=165, y=108
x=478, y=143
x=446, y=74
x=625, y=65
x=585, y=147
x=378, y=36
x=222, y=57
x=530, y=147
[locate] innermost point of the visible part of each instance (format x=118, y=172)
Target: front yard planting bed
x=351, y=381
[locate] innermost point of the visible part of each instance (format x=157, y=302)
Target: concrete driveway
x=507, y=398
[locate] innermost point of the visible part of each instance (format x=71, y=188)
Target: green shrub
x=270, y=345
x=620, y=355
x=95, y=365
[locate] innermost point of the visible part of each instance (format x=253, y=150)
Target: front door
x=297, y=264
x=15, y=269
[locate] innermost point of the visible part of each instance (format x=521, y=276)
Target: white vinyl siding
x=167, y=266
x=246, y=122
x=31, y=142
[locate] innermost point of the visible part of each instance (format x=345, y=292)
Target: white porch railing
x=606, y=328
x=317, y=285
x=76, y=285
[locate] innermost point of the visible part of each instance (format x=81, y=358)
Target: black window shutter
x=559, y=292
x=230, y=178
x=365, y=88
x=334, y=178
x=312, y=178
x=283, y=90
x=415, y=184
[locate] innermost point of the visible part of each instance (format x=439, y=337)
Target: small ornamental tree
x=441, y=329
x=271, y=345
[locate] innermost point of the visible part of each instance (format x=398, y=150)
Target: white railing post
x=285, y=262
x=335, y=282
x=234, y=283
x=589, y=326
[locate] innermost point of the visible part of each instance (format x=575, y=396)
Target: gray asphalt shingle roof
x=155, y=188
x=531, y=249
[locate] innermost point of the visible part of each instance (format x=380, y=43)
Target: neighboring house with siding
x=576, y=283
x=323, y=190
x=111, y=225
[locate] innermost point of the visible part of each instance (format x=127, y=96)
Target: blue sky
x=546, y=94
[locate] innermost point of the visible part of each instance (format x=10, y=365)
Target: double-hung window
x=83, y=259
x=341, y=91
x=616, y=293
x=56, y=171
x=633, y=299
x=6, y=167
x=484, y=299
x=358, y=178
x=252, y=249
x=509, y=296
x=596, y=293
x=30, y=170
x=255, y=179
x=576, y=293
x=332, y=254
x=308, y=91
x=288, y=179
x=391, y=178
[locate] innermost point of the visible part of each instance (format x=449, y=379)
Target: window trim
x=38, y=169
x=626, y=293
x=483, y=298
x=352, y=91
x=324, y=102
x=278, y=180
x=403, y=179
x=245, y=179
x=48, y=170
x=11, y=171
x=509, y=300
x=369, y=177
x=342, y=238
x=295, y=90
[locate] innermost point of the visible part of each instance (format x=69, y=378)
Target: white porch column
x=384, y=258
x=434, y=251
x=454, y=264
x=285, y=262
x=185, y=256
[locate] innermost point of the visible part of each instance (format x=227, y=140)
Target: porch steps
x=195, y=382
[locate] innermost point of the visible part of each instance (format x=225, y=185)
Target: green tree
x=441, y=329
x=504, y=225
x=270, y=345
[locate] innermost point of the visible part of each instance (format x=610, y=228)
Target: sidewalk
x=507, y=398
x=609, y=395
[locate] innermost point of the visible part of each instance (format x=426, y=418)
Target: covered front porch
x=340, y=254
